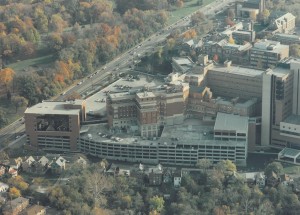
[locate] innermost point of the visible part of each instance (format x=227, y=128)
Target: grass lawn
x=188, y=8
x=19, y=66
x=290, y=168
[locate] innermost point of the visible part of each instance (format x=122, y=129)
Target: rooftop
x=231, y=122
x=279, y=72
x=145, y=95
x=293, y=119
x=269, y=46
x=53, y=107
x=183, y=60
x=239, y=70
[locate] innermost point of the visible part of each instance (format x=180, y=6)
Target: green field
x=188, y=8
x=21, y=65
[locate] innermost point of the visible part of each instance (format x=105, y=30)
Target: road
x=119, y=64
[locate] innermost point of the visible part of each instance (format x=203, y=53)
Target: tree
x=275, y=167
x=98, y=185
x=73, y=96
x=204, y=164
x=19, y=101
x=3, y=156
x=3, y=120
x=226, y=166
x=295, y=50
x=230, y=13
x=229, y=21
x=19, y=183
x=156, y=203
x=138, y=203
x=231, y=40
x=6, y=76
x=14, y=192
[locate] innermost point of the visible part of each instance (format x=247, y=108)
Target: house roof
x=30, y=160
x=34, y=209
x=43, y=160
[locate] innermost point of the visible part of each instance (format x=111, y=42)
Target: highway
x=120, y=64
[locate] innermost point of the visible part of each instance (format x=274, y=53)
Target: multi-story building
x=55, y=125
x=238, y=54
x=287, y=39
x=234, y=81
x=147, y=110
x=277, y=105
x=267, y=53
x=180, y=144
x=281, y=22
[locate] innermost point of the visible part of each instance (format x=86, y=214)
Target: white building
x=3, y=187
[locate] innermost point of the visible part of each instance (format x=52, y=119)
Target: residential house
x=15, y=206
x=285, y=179
x=273, y=179
x=155, y=175
x=3, y=187
x=254, y=178
x=15, y=163
x=117, y=171
x=82, y=162
x=167, y=175
x=260, y=179
x=13, y=172
x=58, y=165
x=34, y=210
x=177, y=178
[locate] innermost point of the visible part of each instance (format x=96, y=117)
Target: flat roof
x=231, y=122
x=293, y=119
x=269, y=46
x=279, y=72
x=145, y=95
x=191, y=132
x=289, y=152
x=54, y=107
x=239, y=70
x=183, y=60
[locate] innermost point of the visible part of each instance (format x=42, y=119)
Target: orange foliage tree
x=14, y=193
x=6, y=76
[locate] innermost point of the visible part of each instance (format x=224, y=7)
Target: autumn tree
x=6, y=76
x=228, y=21
x=18, y=182
x=190, y=34
x=19, y=101
x=226, y=166
x=14, y=192
x=231, y=40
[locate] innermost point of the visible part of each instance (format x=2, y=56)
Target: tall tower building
x=295, y=68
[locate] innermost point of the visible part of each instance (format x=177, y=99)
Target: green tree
x=138, y=203
x=295, y=50
x=19, y=101
x=156, y=203
x=275, y=167
x=3, y=120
